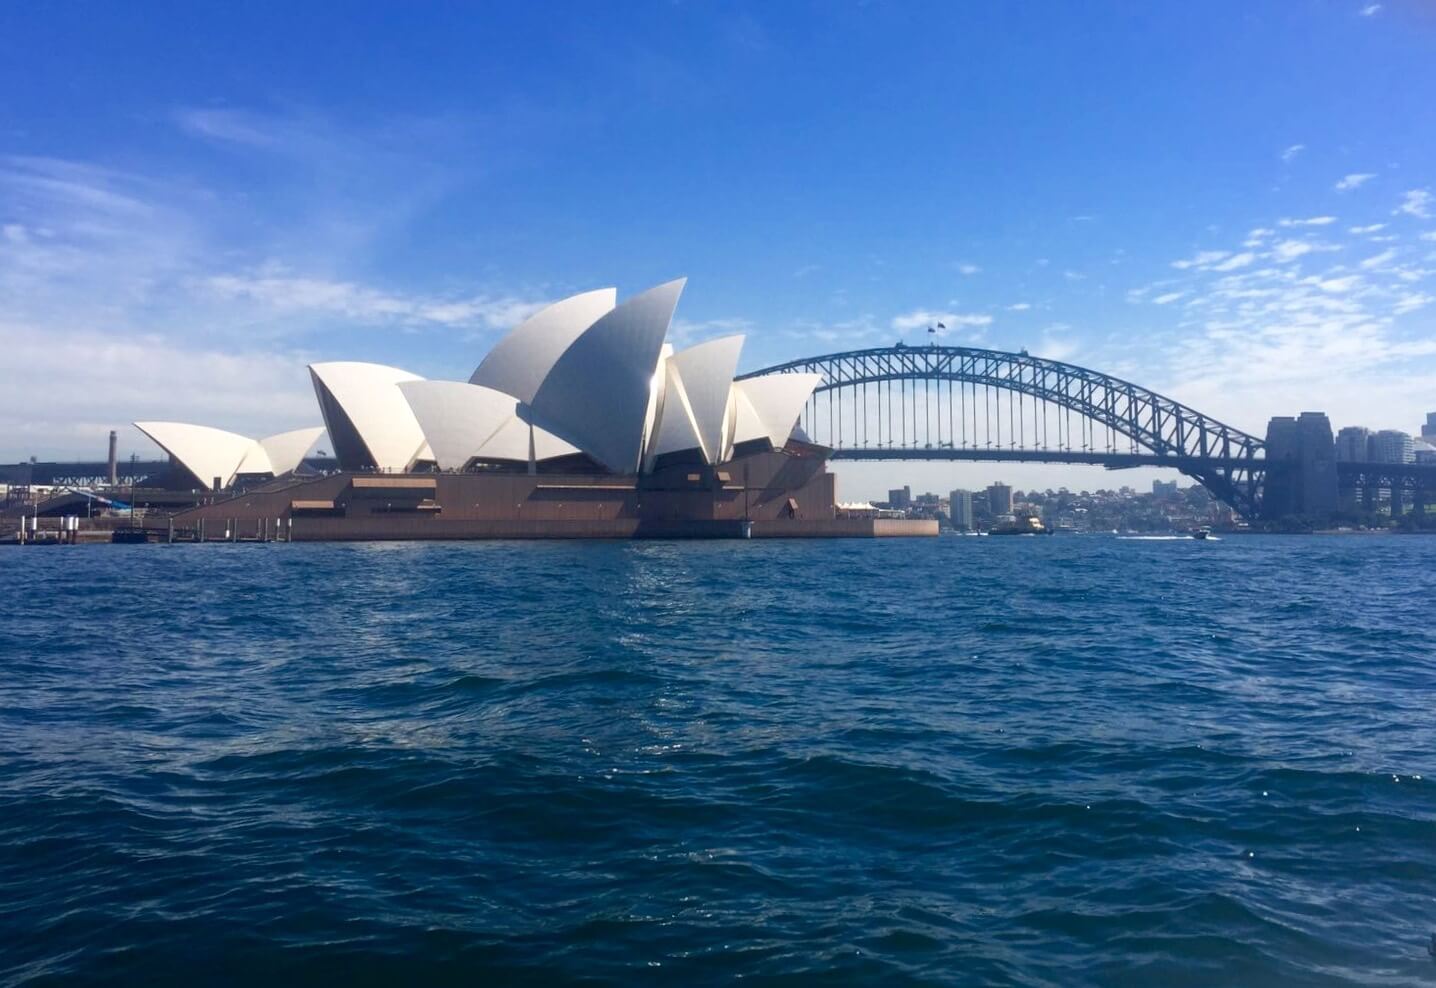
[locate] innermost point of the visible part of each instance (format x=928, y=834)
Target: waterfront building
x=999, y=499
x=1301, y=467
x=960, y=509
x=1392, y=446
x=1164, y=488
x=1353, y=444
x=900, y=498
x=1428, y=428
x=584, y=421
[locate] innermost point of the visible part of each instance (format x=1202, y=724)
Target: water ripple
x=1058, y=761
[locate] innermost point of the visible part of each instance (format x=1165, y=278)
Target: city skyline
x=228, y=210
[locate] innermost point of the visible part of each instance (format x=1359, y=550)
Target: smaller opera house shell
x=584, y=419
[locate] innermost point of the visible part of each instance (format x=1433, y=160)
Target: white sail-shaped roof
x=676, y=429
x=462, y=421
x=773, y=404
x=597, y=394
x=256, y=460
x=209, y=453
x=285, y=451
x=519, y=362
x=374, y=412
x=203, y=451
x=456, y=418
x=519, y=437
x=745, y=424
x=705, y=374
x=656, y=386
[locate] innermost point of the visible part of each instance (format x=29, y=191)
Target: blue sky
x=1234, y=203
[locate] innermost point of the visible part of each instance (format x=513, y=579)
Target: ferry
x=1022, y=523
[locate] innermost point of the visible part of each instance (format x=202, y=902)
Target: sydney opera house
x=582, y=422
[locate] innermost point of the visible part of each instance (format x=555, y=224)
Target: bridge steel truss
x=1157, y=430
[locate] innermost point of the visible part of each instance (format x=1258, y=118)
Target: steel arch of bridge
x=1158, y=430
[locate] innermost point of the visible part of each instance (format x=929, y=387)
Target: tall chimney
x=114, y=469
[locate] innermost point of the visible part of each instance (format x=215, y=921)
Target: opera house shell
x=584, y=413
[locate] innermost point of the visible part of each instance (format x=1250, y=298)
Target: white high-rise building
x=960, y=509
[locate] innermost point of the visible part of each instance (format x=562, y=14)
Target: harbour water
x=1053, y=761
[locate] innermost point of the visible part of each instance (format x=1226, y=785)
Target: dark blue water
x=1042, y=761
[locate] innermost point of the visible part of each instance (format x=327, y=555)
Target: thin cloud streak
x=1417, y=203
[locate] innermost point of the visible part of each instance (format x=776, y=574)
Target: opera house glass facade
x=583, y=420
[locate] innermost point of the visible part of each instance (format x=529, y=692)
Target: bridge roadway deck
x=1112, y=461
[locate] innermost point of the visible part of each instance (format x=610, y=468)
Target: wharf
x=399, y=529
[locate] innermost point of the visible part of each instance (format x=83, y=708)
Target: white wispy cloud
x=1416, y=202
x=132, y=288
x=1274, y=337
x=1215, y=260
x=1354, y=181
x=111, y=380
x=1168, y=298
x=1379, y=260
x=232, y=126
x=1019, y=307
x=923, y=318
x=287, y=293
x=1370, y=10
x=1292, y=151
x=1369, y=228
x=848, y=332
x=1202, y=259
x=1289, y=250
x=1312, y=221
x=968, y=269
x=1235, y=261
x=88, y=243
x=1056, y=344
x=1338, y=285
x=683, y=332
x=1411, y=301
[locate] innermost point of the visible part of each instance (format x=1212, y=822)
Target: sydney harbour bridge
x=963, y=403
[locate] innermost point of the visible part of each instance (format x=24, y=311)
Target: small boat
x=1202, y=533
